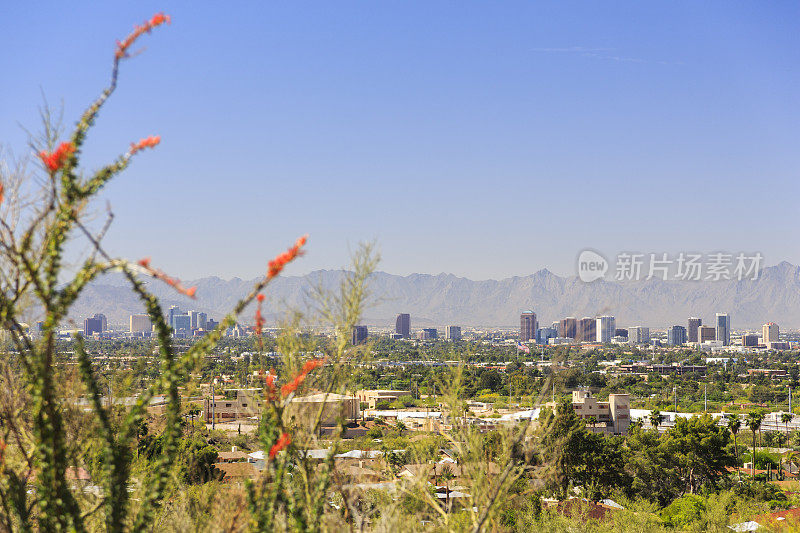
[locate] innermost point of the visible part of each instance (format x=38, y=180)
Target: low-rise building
x=612, y=417
x=375, y=396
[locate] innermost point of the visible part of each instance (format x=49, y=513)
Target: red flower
x=157, y=20
x=301, y=377
x=147, y=142
x=277, y=264
x=175, y=283
x=1, y=193
x=260, y=297
x=56, y=159
x=282, y=443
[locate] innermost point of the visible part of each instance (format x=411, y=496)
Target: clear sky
x=485, y=139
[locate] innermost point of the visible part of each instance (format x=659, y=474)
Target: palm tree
x=786, y=418
x=754, y=419
x=655, y=418
x=734, y=424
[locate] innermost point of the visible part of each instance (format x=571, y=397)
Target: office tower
x=749, y=340
x=202, y=321
x=543, y=335
x=92, y=325
x=140, y=324
x=173, y=311
x=621, y=332
x=527, y=326
x=694, y=325
x=211, y=324
x=402, y=325
x=452, y=333
x=360, y=334
x=556, y=325
x=193, y=319
x=586, y=330
x=769, y=333
x=568, y=327
x=706, y=333
x=103, y=322
x=724, y=328
x=676, y=335
x=638, y=335
x=606, y=327
x=428, y=334
x=181, y=325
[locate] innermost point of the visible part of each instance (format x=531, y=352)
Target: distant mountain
x=447, y=299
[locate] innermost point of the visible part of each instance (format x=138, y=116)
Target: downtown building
x=140, y=325
x=676, y=336
x=692, y=330
x=452, y=333
x=568, y=328
x=402, y=326
x=706, y=334
x=606, y=328
x=359, y=335
x=723, y=324
x=527, y=326
x=639, y=335
x=770, y=332
x=586, y=331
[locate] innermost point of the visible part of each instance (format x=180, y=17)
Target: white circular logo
x=591, y=266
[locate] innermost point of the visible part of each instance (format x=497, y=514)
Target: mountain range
x=438, y=300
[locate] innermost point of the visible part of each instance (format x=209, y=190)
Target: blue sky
x=485, y=139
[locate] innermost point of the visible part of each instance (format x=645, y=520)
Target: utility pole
x=675, y=392
x=790, y=400
x=705, y=397
x=213, y=405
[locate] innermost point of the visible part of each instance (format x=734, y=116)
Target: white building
x=606, y=328
x=140, y=324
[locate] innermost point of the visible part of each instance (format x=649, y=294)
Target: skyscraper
x=638, y=335
x=527, y=326
x=452, y=333
x=92, y=325
x=706, y=333
x=173, y=312
x=360, y=334
x=769, y=333
x=694, y=324
x=140, y=324
x=567, y=328
x=194, y=319
x=402, y=325
x=676, y=335
x=724, y=328
x=606, y=328
x=202, y=321
x=586, y=329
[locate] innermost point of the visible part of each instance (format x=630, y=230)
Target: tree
x=734, y=424
x=701, y=450
x=754, y=419
x=786, y=418
x=655, y=418
x=573, y=455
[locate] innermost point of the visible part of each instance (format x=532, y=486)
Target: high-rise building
x=621, y=332
x=402, y=325
x=181, y=325
x=769, y=333
x=691, y=331
x=676, y=335
x=92, y=325
x=103, y=321
x=173, y=312
x=639, y=335
x=724, y=328
x=140, y=324
x=706, y=333
x=360, y=334
x=568, y=327
x=606, y=327
x=428, y=334
x=543, y=335
x=211, y=324
x=749, y=340
x=527, y=326
x=202, y=321
x=586, y=329
x=452, y=333
x=194, y=319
